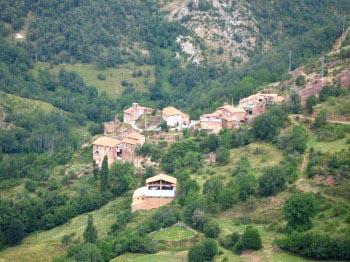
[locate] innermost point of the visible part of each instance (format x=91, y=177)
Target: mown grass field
x=114, y=76
x=172, y=233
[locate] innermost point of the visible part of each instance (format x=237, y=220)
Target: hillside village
x=172, y=131
x=224, y=117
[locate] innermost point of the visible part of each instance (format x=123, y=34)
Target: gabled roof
x=170, y=111
x=232, y=109
x=167, y=178
x=106, y=141
x=133, y=138
x=131, y=109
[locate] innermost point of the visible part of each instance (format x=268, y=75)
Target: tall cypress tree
x=90, y=233
x=104, y=174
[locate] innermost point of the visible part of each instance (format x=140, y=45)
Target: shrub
x=316, y=245
x=251, y=239
x=101, y=77
x=272, y=181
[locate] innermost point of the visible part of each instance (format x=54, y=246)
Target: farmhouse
x=134, y=112
x=160, y=190
x=256, y=104
x=174, y=117
x=212, y=123
x=129, y=144
x=226, y=116
x=106, y=146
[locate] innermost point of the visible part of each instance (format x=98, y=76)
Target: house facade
x=212, y=123
x=129, y=144
x=257, y=104
x=159, y=191
x=106, y=146
x=135, y=112
x=174, y=117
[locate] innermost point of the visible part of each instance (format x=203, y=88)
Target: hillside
x=274, y=190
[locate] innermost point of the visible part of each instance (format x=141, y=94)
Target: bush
x=211, y=230
x=299, y=209
x=203, y=251
x=251, y=239
x=230, y=240
x=272, y=181
x=316, y=245
x=101, y=77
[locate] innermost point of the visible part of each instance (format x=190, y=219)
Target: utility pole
x=145, y=123
x=232, y=101
x=322, y=66
x=290, y=61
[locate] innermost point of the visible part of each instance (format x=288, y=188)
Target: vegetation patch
x=173, y=234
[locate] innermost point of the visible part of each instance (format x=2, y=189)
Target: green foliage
x=300, y=81
x=230, y=240
x=85, y=252
x=211, y=230
x=90, y=232
x=15, y=232
x=247, y=186
x=203, y=251
x=272, y=181
x=299, y=209
x=212, y=188
x=266, y=126
x=211, y=143
x=311, y=101
x=227, y=198
x=321, y=119
x=104, y=174
x=294, y=140
x=223, y=156
x=315, y=245
x=295, y=103
x=251, y=239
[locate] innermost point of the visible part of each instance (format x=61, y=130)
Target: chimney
x=135, y=105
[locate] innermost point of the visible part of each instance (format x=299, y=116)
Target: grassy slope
x=43, y=246
x=22, y=105
x=114, y=76
x=172, y=233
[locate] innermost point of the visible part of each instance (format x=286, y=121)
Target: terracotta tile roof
x=130, y=141
x=232, y=109
x=106, y=141
x=139, y=108
x=213, y=115
x=135, y=136
x=167, y=178
x=170, y=111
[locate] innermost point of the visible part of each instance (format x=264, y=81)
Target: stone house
x=212, y=123
x=174, y=117
x=129, y=144
x=232, y=117
x=257, y=104
x=160, y=190
x=135, y=112
x=106, y=146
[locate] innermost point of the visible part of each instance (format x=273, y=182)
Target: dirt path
x=304, y=164
x=313, y=119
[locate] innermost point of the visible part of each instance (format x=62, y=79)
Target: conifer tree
x=104, y=174
x=90, y=233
